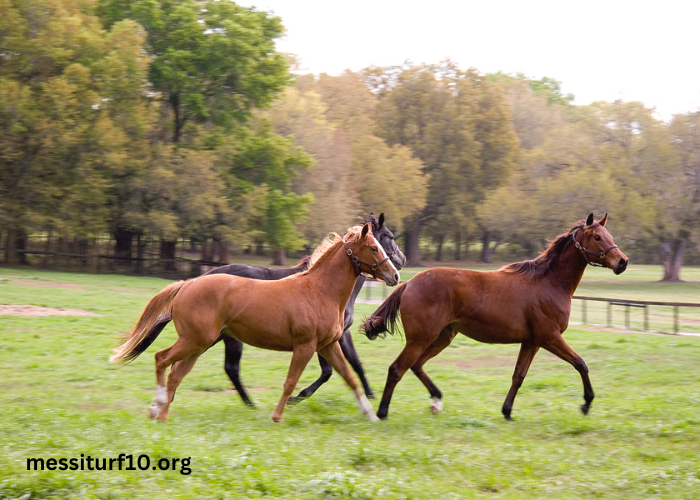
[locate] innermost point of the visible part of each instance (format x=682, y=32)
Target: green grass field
x=60, y=398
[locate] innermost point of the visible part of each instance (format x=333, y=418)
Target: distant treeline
x=174, y=122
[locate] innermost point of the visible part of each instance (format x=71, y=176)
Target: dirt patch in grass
x=47, y=284
x=33, y=311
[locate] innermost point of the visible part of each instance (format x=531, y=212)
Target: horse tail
x=156, y=314
x=386, y=314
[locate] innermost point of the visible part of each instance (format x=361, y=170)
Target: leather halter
x=358, y=263
x=585, y=251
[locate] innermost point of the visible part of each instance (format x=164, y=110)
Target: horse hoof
x=585, y=408
x=294, y=400
x=436, y=406
x=370, y=395
x=276, y=418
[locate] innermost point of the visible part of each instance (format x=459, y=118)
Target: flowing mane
x=540, y=266
x=332, y=240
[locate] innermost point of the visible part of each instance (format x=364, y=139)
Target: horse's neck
x=335, y=274
x=569, y=269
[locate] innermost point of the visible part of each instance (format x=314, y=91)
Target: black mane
x=540, y=266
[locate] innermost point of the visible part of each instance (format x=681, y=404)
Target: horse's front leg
x=300, y=358
x=334, y=355
x=559, y=347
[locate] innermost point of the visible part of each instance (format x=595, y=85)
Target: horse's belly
x=276, y=340
x=493, y=332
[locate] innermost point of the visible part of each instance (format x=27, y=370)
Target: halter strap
x=358, y=263
x=585, y=251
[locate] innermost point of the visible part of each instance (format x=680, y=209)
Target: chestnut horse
x=527, y=303
x=302, y=313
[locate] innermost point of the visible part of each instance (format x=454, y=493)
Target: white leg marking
x=366, y=408
x=159, y=400
x=436, y=406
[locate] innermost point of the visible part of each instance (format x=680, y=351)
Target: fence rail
x=692, y=316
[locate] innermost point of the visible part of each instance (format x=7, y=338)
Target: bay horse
x=526, y=302
x=302, y=313
x=234, y=348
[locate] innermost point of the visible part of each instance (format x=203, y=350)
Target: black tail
x=387, y=313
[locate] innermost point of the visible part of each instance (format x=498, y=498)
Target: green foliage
x=213, y=62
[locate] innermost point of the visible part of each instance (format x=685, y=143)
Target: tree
x=211, y=65
x=678, y=191
x=301, y=116
x=387, y=178
x=66, y=86
x=211, y=62
x=263, y=159
x=458, y=124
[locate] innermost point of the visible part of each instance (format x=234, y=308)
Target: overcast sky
x=599, y=50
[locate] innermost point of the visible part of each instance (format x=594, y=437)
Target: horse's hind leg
x=334, y=355
x=182, y=349
x=443, y=340
x=559, y=347
x=232, y=365
x=300, y=358
x=177, y=373
x=525, y=357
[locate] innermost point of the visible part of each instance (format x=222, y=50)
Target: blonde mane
x=333, y=239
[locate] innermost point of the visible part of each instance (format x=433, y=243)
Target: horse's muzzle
x=621, y=266
x=391, y=279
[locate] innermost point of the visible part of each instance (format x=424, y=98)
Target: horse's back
x=488, y=306
x=257, y=312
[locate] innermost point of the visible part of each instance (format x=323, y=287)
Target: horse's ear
x=381, y=220
x=365, y=229
x=589, y=221
x=603, y=220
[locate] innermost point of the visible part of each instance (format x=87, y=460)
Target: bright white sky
x=634, y=50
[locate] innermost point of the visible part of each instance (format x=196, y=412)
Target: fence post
x=646, y=319
x=675, y=319
x=583, y=312
x=609, y=315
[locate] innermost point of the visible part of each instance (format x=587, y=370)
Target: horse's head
x=386, y=239
x=368, y=256
x=598, y=247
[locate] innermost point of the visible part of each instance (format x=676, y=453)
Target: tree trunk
x=672, y=252
x=140, y=250
x=486, y=247
x=440, y=242
x=167, y=255
x=279, y=258
x=19, y=245
x=458, y=247
x=15, y=243
x=124, y=240
x=412, y=248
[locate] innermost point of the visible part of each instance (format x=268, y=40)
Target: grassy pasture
x=60, y=398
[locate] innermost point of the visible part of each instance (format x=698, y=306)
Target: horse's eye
x=374, y=249
x=596, y=237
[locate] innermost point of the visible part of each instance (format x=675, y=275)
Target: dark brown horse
x=525, y=303
x=302, y=313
